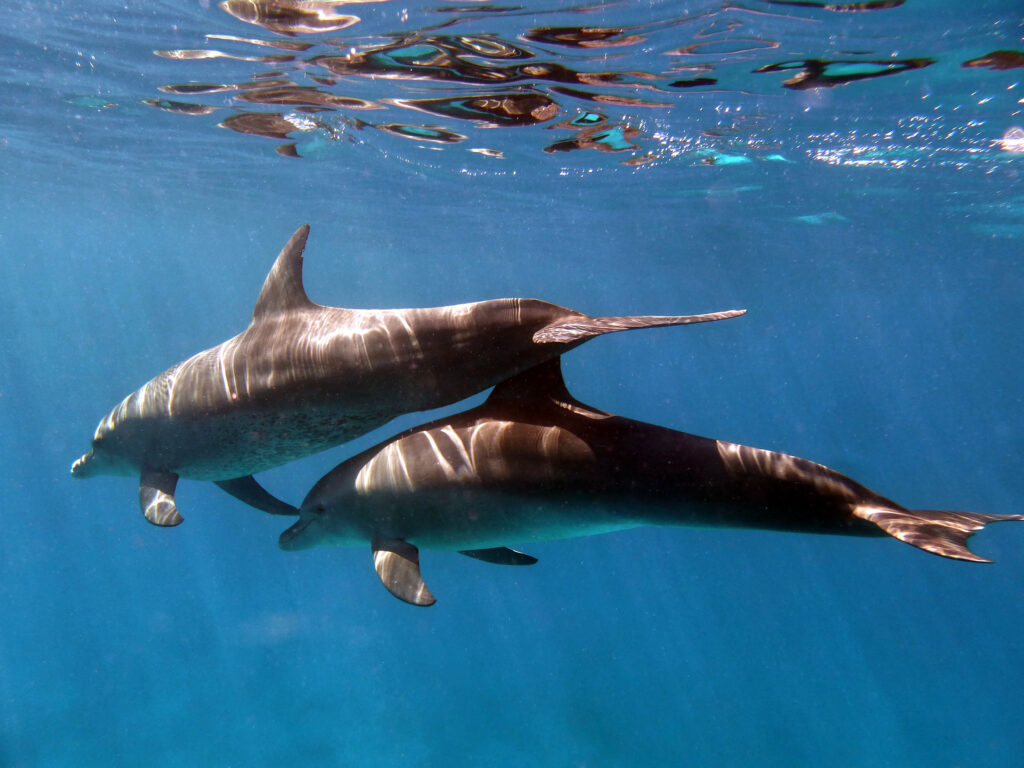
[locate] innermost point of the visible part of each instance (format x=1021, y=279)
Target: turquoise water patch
x=716, y=191
x=714, y=157
x=829, y=217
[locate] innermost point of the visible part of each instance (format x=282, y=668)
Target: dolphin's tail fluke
x=938, y=532
x=582, y=328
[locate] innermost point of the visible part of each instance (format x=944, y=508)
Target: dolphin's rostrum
x=532, y=463
x=304, y=377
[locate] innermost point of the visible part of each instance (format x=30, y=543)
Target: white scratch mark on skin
x=224, y=373
x=234, y=372
x=360, y=337
x=412, y=334
x=170, y=390
x=386, y=330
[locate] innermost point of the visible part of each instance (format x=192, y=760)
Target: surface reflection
x=668, y=87
x=494, y=109
x=303, y=96
x=272, y=125
x=583, y=37
x=998, y=60
x=614, y=138
x=180, y=107
x=817, y=73
x=868, y=5
x=291, y=17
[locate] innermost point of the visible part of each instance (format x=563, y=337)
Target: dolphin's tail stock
x=941, y=533
x=583, y=327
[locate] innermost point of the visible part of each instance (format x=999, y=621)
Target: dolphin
x=532, y=463
x=304, y=377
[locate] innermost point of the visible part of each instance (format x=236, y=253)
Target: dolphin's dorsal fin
x=282, y=290
x=542, y=382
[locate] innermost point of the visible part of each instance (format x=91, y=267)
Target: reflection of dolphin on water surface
x=534, y=464
x=303, y=377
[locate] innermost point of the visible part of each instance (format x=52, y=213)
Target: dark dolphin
x=302, y=378
x=533, y=464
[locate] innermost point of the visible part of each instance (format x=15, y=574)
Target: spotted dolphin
x=303, y=377
x=532, y=463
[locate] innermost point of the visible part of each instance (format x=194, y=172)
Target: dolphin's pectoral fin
x=398, y=565
x=935, y=531
x=255, y=495
x=583, y=327
x=156, y=497
x=500, y=556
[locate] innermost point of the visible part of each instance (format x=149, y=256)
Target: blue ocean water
x=849, y=174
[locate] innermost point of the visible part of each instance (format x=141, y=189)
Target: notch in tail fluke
x=579, y=329
x=941, y=533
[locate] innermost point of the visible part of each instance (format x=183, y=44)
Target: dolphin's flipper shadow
x=255, y=495
x=500, y=556
x=398, y=564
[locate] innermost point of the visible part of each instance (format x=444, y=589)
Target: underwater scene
x=503, y=382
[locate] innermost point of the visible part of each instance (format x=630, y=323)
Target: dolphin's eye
x=319, y=509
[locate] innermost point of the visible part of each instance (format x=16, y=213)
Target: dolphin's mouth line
x=288, y=536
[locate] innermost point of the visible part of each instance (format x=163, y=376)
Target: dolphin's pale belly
x=245, y=441
x=466, y=520
x=481, y=518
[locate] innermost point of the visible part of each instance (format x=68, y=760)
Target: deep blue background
x=883, y=342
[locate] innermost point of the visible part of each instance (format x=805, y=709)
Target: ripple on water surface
x=486, y=86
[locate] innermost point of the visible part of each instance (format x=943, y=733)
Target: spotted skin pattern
x=304, y=377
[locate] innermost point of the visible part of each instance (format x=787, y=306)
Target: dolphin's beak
x=291, y=539
x=81, y=467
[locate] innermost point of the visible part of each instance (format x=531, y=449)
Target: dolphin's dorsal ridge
x=543, y=381
x=282, y=290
